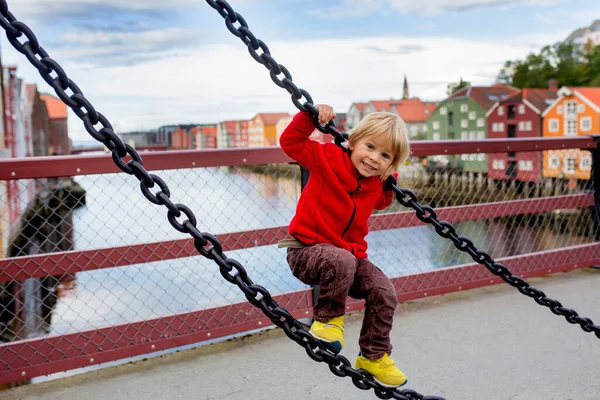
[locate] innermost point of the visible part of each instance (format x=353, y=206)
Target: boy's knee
x=386, y=296
x=338, y=261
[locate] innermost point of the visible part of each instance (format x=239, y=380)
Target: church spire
x=405, y=91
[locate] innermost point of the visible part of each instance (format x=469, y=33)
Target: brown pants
x=340, y=274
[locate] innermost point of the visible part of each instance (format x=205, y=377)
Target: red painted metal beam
x=36, y=357
x=62, y=166
x=21, y=268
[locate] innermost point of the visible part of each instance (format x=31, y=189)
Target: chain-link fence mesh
x=106, y=213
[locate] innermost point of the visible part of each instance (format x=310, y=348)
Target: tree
x=565, y=62
x=453, y=87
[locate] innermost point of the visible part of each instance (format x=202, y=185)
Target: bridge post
x=596, y=188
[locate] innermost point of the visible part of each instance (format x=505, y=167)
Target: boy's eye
x=386, y=156
x=370, y=146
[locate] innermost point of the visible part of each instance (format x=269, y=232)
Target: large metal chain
x=179, y=215
x=404, y=196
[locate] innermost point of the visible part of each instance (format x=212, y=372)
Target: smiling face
x=372, y=156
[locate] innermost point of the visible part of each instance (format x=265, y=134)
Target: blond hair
x=390, y=127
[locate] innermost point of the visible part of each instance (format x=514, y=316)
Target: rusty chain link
x=206, y=243
x=404, y=196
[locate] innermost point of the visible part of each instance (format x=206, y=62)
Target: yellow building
x=262, y=129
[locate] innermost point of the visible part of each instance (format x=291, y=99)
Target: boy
x=328, y=246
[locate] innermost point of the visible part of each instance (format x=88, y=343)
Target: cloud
x=353, y=8
x=216, y=82
x=403, y=49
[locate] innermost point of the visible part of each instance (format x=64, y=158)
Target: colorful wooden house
x=462, y=116
x=354, y=115
x=262, y=129
x=575, y=112
x=518, y=116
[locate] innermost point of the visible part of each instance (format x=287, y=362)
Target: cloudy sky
x=146, y=63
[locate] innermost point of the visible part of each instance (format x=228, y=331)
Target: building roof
x=414, y=110
x=590, y=93
x=384, y=104
x=359, y=106
x=56, y=108
x=539, y=98
x=271, y=118
x=485, y=96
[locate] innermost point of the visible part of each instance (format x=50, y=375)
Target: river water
x=230, y=200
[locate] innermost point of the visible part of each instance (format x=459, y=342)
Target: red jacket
x=335, y=205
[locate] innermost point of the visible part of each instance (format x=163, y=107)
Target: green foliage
x=565, y=62
x=453, y=87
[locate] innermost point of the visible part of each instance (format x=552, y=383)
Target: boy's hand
x=326, y=113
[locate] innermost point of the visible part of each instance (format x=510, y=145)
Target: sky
x=147, y=63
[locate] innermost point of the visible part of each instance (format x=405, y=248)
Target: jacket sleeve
x=295, y=141
x=386, y=198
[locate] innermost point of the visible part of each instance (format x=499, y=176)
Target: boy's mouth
x=367, y=166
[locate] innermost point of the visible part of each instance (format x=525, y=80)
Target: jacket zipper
x=354, y=209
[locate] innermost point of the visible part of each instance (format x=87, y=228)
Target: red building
x=59, y=134
x=181, y=139
x=242, y=140
x=518, y=116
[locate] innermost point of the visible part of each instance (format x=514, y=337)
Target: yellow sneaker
x=330, y=332
x=384, y=370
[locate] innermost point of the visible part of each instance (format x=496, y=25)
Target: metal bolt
x=306, y=312
x=425, y=294
x=194, y=163
x=13, y=174
x=91, y=360
x=78, y=170
x=153, y=347
x=23, y=373
x=460, y=288
x=259, y=322
x=208, y=334
x=244, y=160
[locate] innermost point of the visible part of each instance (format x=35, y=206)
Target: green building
x=462, y=116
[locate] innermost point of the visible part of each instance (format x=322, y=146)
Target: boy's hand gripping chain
x=206, y=244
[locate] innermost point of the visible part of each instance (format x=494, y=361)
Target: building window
x=521, y=126
x=569, y=167
x=586, y=124
x=450, y=118
x=501, y=127
x=571, y=107
x=464, y=108
x=436, y=124
x=498, y=164
x=553, y=125
x=480, y=122
x=585, y=163
x=571, y=127
x=443, y=110
x=528, y=126
x=480, y=135
x=472, y=115
x=472, y=135
x=521, y=109
x=464, y=135
x=559, y=109
x=500, y=110
x=526, y=165
x=464, y=123
x=436, y=136
x=553, y=162
x=511, y=112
